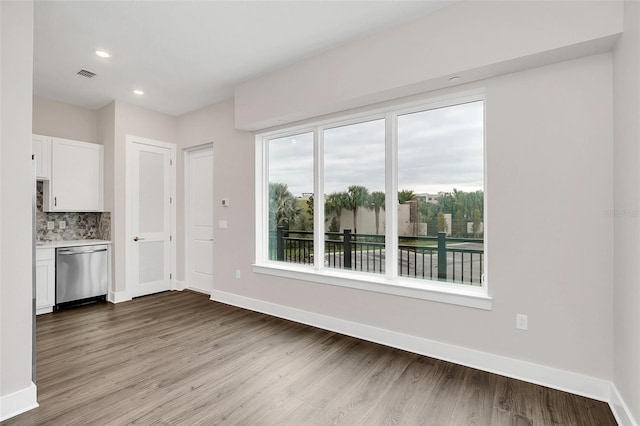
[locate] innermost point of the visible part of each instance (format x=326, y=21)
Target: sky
x=438, y=150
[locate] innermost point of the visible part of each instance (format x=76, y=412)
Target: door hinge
x=170, y=200
x=170, y=237
x=170, y=162
x=170, y=276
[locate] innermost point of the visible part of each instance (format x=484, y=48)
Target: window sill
x=472, y=297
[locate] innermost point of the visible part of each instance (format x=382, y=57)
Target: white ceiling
x=189, y=54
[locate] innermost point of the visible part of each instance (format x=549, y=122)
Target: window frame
x=389, y=282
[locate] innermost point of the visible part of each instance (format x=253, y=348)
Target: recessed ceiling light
x=138, y=92
x=103, y=53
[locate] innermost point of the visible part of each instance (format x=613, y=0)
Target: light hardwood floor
x=178, y=358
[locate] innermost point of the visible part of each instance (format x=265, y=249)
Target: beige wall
x=16, y=192
x=106, y=136
x=473, y=40
x=134, y=121
x=549, y=131
x=626, y=217
x=543, y=116
x=62, y=120
x=108, y=126
x=232, y=151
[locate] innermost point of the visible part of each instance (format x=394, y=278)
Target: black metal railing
x=442, y=258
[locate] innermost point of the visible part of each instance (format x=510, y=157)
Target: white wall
x=62, y=120
x=17, y=393
x=626, y=216
x=473, y=40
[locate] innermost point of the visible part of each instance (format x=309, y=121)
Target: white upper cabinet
x=76, y=177
x=41, y=148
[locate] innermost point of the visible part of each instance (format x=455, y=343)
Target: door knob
x=137, y=239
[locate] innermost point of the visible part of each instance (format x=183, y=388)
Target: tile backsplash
x=79, y=226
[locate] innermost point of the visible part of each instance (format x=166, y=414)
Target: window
x=291, y=198
x=402, y=205
x=353, y=174
x=441, y=200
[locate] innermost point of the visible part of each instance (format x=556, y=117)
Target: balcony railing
x=441, y=258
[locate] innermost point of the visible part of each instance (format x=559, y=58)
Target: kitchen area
x=72, y=233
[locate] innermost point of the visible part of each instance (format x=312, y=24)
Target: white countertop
x=69, y=243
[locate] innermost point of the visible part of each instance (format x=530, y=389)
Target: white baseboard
x=206, y=291
x=18, y=402
x=180, y=285
x=46, y=310
x=620, y=410
x=555, y=378
x=186, y=286
x=119, y=296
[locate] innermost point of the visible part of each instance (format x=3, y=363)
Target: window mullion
x=318, y=199
x=391, y=198
x=261, y=199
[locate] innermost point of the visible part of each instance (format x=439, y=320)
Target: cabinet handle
x=55, y=201
x=137, y=239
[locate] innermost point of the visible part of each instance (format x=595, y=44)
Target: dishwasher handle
x=72, y=252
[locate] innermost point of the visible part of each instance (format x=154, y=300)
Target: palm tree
x=357, y=197
x=334, y=203
x=406, y=195
x=376, y=202
x=283, y=206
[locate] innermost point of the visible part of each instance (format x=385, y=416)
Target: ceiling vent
x=86, y=73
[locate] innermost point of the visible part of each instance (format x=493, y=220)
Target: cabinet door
x=76, y=178
x=41, y=148
x=45, y=280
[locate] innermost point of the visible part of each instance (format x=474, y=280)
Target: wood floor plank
x=475, y=401
x=177, y=358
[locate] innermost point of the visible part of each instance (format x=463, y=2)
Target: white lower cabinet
x=45, y=280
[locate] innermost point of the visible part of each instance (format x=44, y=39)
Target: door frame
x=130, y=140
x=187, y=152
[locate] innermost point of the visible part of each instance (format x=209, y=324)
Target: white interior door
x=150, y=184
x=200, y=219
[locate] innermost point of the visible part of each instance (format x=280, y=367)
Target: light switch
x=222, y=224
x=51, y=226
x=62, y=224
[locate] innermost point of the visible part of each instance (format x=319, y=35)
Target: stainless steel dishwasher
x=81, y=274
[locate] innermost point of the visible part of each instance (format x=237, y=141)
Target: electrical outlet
x=51, y=226
x=237, y=273
x=522, y=322
x=62, y=224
